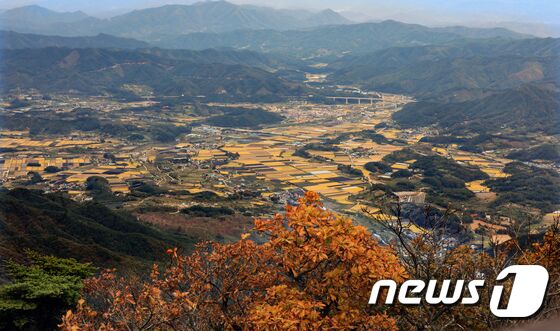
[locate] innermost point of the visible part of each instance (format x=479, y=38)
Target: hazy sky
x=424, y=11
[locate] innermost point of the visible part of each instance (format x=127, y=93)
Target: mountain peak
x=33, y=13
x=214, y=3
x=328, y=11
x=328, y=17
x=30, y=8
x=36, y=9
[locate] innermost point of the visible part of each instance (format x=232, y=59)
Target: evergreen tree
x=40, y=291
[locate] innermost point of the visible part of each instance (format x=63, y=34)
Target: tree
x=52, y=169
x=314, y=271
x=34, y=178
x=329, y=266
x=433, y=253
x=547, y=254
x=39, y=292
x=99, y=188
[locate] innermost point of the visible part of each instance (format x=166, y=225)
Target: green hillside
x=527, y=109
x=550, y=152
x=328, y=41
x=97, y=71
x=53, y=224
x=456, y=70
x=14, y=40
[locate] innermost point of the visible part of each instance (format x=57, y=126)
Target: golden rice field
x=276, y=162
x=272, y=158
x=20, y=166
x=491, y=166
x=27, y=142
x=476, y=186
x=209, y=154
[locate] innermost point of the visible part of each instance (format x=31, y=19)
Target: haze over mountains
x=332, y=40
x=154, y=23
x=538, y=17
x=222, y=24
x=15, y=40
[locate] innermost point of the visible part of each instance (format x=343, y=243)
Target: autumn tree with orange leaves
x=314, y=271
x=432, y=254
x=547, y=254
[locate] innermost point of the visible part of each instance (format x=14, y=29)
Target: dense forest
x=528, y=186
x=54, y=224
x=97, y=71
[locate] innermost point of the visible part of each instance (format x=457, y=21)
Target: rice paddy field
x=225, y=161
x=72, y=168
x=491, y=165
x=269, y=154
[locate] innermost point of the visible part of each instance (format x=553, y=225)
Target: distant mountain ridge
x=15, y=40
x=333, y=40
x=154, y=23
x=26, y=14
x=172, y=73
x=217, y=24
x=10, y=40
x=453, y=68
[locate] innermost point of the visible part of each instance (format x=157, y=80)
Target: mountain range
x=223, y=51
x=217, y=24
x=329, y=42
x=481, y=87
x=15, y=40
x=333, y=40
x=172, y=73
x=526, y=109
x=453, y=70
x=153, y=23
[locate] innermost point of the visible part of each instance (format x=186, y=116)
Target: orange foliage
x=314, y=271
x=328, y=267
x=547, y=254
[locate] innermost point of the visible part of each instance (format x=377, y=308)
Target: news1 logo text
x=525, y=298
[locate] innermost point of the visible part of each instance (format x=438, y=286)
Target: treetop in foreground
x=315, y=271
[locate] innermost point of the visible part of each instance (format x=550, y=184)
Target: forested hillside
x=54, y=224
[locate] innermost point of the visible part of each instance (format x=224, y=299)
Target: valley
x=160, y=158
